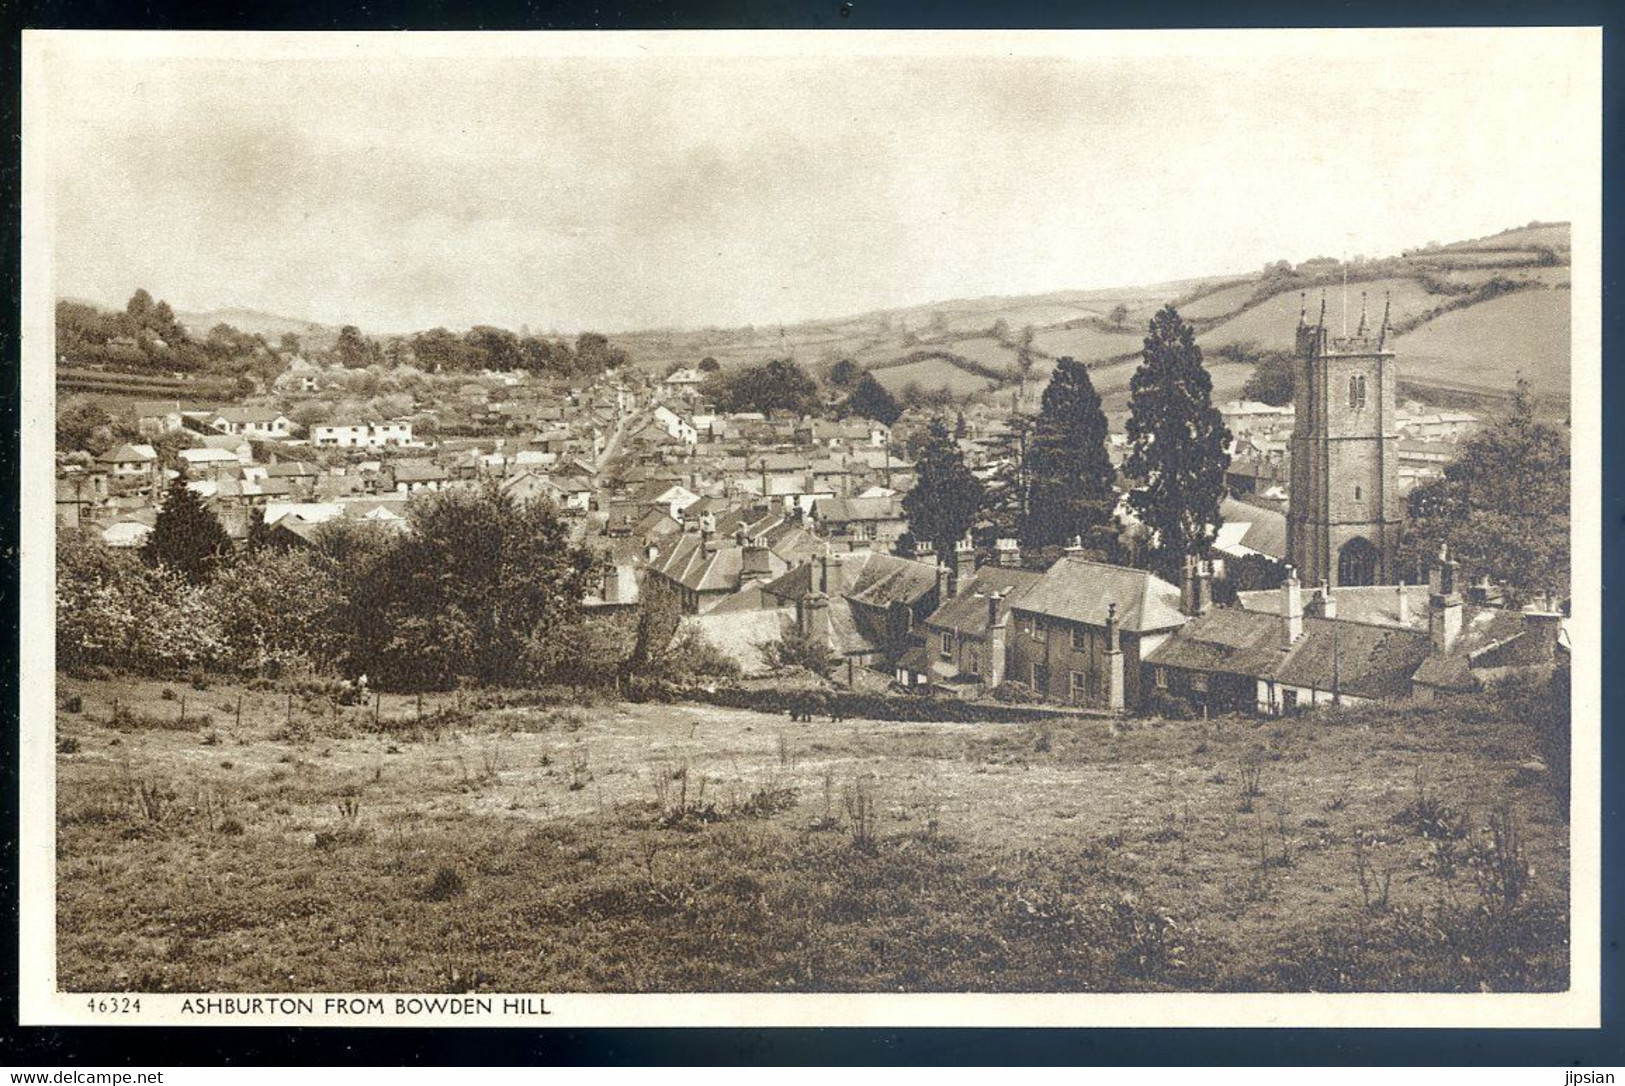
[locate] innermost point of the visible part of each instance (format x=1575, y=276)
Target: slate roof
x=687, y=563
x=841, y=510
x=1265, y=530
x=1375, y=604
x=1353, y=658
x=1078, y=590
x=249, y=414
x=883, y=579
x=129, y=454
x=967, y=612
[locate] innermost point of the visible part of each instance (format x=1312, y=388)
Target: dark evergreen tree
x=871, y=400
x=844, y=374
x=186, y=537
x=1178, y=445
x=1071, y=485
x=947, y=498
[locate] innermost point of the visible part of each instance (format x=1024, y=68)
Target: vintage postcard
x=756, y=528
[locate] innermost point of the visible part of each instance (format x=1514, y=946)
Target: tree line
x=146, y=336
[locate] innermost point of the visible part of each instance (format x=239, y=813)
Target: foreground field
x=620, y=847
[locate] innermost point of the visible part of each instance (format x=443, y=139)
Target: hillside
x=252, y=321
x=1470, y=315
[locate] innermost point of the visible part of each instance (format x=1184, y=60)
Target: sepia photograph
x=1020, y=528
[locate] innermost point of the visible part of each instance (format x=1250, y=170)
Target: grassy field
x=1273, y=324
x=1089, y=344
x=667, y=848
x=932, y=373
x=1487, y=345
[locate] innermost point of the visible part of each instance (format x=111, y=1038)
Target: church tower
x=1344, y=514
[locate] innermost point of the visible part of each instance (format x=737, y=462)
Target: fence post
x=420, y=705
x=290, y=708
x=239, y=711
x=183, y=708
x=377, y=708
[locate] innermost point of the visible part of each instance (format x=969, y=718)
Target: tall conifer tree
x=947, y=498
x=187, y=537
x=1071, y=487
x=1178, y=444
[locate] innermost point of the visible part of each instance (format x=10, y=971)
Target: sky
x=619, y=182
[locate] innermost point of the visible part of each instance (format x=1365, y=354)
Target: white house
x=362, y=435
x=675, y=425
x=251, y=421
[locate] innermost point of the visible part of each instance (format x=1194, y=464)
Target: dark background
x=151, y=1047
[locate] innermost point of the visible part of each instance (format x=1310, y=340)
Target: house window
x=1080, y=639
x=1037, y=630
x=947, y=646
x=1162, y=678
x=1199, y=681
x=1289, y=701
x=1079, y=686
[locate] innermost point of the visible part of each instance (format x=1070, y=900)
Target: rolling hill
x=1469, y=316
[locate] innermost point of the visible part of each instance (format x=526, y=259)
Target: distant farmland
x=1487, y=345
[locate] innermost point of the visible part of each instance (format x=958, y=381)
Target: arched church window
x=1354, y=392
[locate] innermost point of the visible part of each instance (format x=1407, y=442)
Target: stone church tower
x=1344, y=515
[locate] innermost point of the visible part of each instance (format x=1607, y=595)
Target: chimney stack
x=997, y=634
x=1074, y=548
x=944, y=582
x=1116, y=694
x=1323, y=604
x=1009, y=553
x=964, y=568
x=1204, y=587
x=823, y=573
x=1291, y=609
x=1404, y=606
x=1444, y=604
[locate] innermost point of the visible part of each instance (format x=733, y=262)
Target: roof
x=849, y=509
x=207, y=456
x=967, y=612
x=881, y=580
x=1225, y=639
x=128, y=454
x=1372, y=604
x=249, y=414
x=1078, y=590
x=1252, y=529
x=1353, y=658
x=687, y=562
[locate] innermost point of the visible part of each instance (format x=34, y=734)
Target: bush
x=1016, y=693
x=446, y=884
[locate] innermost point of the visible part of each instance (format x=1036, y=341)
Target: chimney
x=739, y=534
x=964, y=566
x=755, y=559
x=1404, y=606
x=997, y=633
x=1323, y=604
x=811, y=616
x=1444, y=604
x=1115, y=694
x=944, y=584
x=1008, y=552
x=1074, y=548
x=1188, y=602
x=822, y=584
x=1204, y=587
x=1291, y=609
